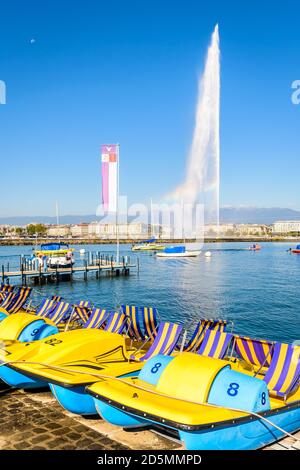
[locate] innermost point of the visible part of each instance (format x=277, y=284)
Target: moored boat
x=69, y=361
x=148, y=245
x=178, y=252
x=213, y=404
x=57, y=255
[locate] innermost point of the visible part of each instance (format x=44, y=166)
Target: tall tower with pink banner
x=110, y=182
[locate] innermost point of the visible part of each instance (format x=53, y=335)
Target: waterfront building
x=245, y=230
x=213, y=230
x=286, y=226
x=126, y=231
x=58, y=231
x=80, y=230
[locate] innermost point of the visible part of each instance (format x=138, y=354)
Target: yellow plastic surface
x=160, y=401
x=13, y=325
x=89, y=351
x=181, y=377
x=53, y=252
x=157, y=405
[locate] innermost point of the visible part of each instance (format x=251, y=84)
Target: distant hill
x=42, y=219
x=256, y=215
x=235, y=215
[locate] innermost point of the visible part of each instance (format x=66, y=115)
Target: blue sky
x=127, y=72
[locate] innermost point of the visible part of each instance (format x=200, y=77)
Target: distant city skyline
x=128, y=72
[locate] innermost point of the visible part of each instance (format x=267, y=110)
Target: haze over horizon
x=128, y=72
x=228, y=214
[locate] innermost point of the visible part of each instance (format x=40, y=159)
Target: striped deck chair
x=6, y=288
x=197, y=337
x=283, y=375
x=116, y=322
x=61, y=309
x=19, y=300
x=254, y=351
x=56, y=298
x=8, y=298
x=164, y=343
x=81, y=313
x=215, y=344
x=45, y=308
x=84, y=303
x=150, y=315
x=96, y=318
x=134, y=330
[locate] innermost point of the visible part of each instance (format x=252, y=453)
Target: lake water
x=258, y=291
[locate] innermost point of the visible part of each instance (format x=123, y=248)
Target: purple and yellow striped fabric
x=255, y=351
x=45, y=307
x=215, y=344
x=283, y=375
x=197, y=337
x=133, y=313
x=84, y=303
x=116, y=322
x=164, y=342
x=8, y=299
x=60, y=310
x=56, y=298
x=81, y=312
x=19, y=300
x=150, y=322
x=6, y=288
x=96, y=318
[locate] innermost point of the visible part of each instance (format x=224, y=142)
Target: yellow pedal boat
x=211, y=404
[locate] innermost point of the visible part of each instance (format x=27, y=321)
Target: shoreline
x=99, y=241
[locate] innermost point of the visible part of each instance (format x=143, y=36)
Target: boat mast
x=117, y=205
x=57, y=218
x=151, y=219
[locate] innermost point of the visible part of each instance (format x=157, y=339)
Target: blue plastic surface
x=118, y=417
x=2, y=316
x=18, y=380
x=45, y=331
x=153, y=368
x=74, y=399
x=235, y=390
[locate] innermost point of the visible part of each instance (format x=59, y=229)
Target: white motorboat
x=178, y=252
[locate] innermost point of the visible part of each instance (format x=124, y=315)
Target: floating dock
x=42, y=276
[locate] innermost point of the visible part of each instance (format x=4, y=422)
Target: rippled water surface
x=258, y=291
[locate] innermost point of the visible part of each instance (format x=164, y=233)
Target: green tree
x=19, y=231
x=36, y=229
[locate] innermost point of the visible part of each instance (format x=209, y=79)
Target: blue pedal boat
x=212, y=403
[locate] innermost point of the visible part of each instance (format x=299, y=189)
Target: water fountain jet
x=203, y=170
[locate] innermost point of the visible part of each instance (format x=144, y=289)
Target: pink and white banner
x=109, y=157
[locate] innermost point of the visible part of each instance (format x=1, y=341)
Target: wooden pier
x=42, y=276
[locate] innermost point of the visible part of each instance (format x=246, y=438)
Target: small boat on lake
x=295, y=250
x=177, y=252
x=59, y=255
x=148, y=245
x=255, y=247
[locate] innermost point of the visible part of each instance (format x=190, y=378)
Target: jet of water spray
x=202, y=176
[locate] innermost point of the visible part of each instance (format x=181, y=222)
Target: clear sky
x=127, y=71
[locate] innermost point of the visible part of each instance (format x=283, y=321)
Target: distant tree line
x=31, y=230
